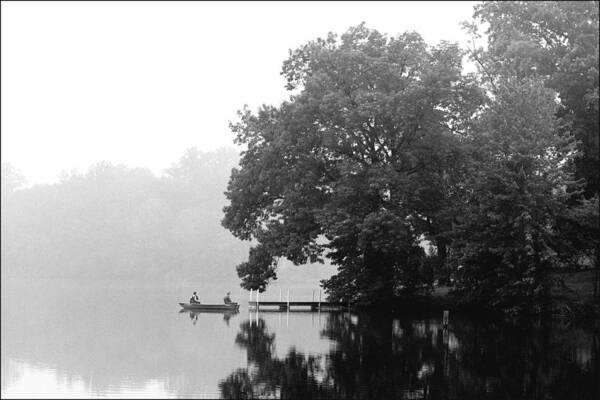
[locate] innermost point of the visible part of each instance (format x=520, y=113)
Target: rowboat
x=210, y=307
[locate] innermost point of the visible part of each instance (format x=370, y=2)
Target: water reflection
x=118, y=346
x=115, y=346
x=38, y=381
x=194, y=315
x=268, y=376
x=380, y=357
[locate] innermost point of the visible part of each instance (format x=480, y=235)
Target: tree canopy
x=556, y=42
x=507, y=235
x=385, y=144
x=357, y=165
x=535, y=187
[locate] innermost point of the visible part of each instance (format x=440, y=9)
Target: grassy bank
x=576, y=294
x=574, y=298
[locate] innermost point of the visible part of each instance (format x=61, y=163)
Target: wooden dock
x=283, y=305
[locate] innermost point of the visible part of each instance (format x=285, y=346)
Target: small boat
x=210, y=307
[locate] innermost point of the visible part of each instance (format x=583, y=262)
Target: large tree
x=372, y=128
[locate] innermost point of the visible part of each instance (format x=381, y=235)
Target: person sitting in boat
x=227, y=299
x=194, y=299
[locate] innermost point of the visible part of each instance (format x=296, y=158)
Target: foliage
x=258, y=270
x=558, y=43
x=507, y=238
x=341, y=170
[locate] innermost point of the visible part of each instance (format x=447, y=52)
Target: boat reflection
x=194, y=314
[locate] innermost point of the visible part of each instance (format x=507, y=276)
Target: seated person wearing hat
x=194, y=299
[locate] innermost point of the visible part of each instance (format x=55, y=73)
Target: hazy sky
x=138, y=83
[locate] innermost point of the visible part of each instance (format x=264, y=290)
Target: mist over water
x=440, y=154
x=117, y=224
x=93, y=269
x=85, y=340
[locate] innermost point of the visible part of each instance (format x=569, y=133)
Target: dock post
x=288, y=299
x=319, y=299
x=445, y=318
x=313, y=300
x=257, y=306
x=250, y=301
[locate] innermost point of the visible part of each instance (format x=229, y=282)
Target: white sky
x=138, y=83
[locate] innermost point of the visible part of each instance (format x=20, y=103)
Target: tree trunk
x=442, y=252
x=597, y=276
x=380, y=275
x=597, y=283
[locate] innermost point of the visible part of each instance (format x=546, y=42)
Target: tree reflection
x=380, y=357
x=266, y=376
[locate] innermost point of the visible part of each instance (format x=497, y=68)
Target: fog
x=137, y=84
x=119, y=224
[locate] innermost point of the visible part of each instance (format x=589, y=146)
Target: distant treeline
x=114, y=222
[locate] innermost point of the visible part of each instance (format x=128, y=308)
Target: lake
x=72, y=339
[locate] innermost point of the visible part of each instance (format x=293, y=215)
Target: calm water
x=75, y=340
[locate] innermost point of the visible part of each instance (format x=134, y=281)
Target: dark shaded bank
x=578, y=313
x=573, y=301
